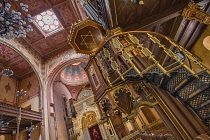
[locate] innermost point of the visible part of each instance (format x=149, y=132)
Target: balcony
x=10, y=113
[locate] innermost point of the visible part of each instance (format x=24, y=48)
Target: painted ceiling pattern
x=49, y=36
x=48, y=21
x=44, y=44
x=74, y=74
x=11, y=59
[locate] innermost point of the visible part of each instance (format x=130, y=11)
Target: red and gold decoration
x=95, y=133
x=194, y=12
x=13, y=63
x=74, y=77
x=74, y=74
x=86, y=36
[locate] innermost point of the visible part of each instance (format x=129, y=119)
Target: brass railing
x=125, y=57
x=129, y=48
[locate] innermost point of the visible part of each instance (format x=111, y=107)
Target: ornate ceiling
x=11, y=59
x=74, y=74
x=47, y=45
x=161, y=16
x=74, y=77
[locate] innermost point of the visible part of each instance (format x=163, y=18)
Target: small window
x=48, y=22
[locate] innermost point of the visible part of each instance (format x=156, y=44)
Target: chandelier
x=21, y=93
x=31, y=128
x=12, y=24
x=7, y=72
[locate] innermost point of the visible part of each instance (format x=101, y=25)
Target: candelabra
x=12, y=25
x=7, y=72
x=20, y=94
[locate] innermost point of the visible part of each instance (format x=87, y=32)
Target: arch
x=14, y=46
x=82, y=92
x=90, y=118
x=83, y=88
x=23, y=53
x=85, y=110
x=34, y=65
x=49, y=88
x=51, y=77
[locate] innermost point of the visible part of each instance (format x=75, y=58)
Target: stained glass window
x=47, y=21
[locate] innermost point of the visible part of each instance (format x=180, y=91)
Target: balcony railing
x=11, y=110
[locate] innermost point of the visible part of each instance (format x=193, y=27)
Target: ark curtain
x=95, y=133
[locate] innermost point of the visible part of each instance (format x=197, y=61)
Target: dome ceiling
x=74, y=74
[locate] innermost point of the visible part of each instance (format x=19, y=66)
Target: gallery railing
x=11, y=110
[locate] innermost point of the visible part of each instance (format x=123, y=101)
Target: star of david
x=88, y=40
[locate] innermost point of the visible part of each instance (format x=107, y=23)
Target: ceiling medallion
x=86, y=36
x=12, y=25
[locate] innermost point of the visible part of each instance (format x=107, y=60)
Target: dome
x=74, y=74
